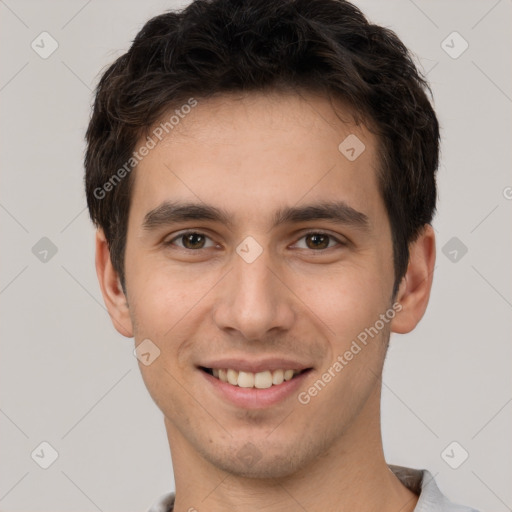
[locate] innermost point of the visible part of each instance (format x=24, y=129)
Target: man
x=262, y=176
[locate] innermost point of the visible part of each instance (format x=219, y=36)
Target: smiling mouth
x=260, y=380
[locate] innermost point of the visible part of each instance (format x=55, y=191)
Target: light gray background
x=69, y=379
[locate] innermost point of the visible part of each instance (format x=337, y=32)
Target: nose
x=255, y=301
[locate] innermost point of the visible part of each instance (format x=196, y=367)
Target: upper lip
x=255, y=366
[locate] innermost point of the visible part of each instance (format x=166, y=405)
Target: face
x=256, y=246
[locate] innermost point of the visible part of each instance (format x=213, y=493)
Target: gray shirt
x=421, y=482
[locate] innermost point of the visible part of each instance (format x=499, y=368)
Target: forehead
x=256, y=153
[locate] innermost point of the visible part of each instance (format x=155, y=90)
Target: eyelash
x=316, y=232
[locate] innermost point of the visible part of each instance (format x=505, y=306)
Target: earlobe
x=113, y=294
x=414, y=290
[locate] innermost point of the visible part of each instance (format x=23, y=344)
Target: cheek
x=351, y=305
x=163, y=310
x=346, y=300
x=159, y=292
x=161, y=300
x=170, y=306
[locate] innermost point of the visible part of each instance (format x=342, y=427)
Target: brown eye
x=191, y=240
x=317, y=241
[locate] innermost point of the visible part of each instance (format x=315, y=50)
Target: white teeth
x=277, y=377
x=260, y=380
x=263, y=380
x=245, y=380
x=232, y=377
x=288, y=374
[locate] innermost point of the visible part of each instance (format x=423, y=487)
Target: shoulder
x=431, y=499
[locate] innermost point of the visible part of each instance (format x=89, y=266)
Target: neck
x=351, y=474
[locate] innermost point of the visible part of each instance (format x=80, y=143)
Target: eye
x=318, y=240
x=194, y=240
x=191, y=240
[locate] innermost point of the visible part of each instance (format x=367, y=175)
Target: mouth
x=260, y=380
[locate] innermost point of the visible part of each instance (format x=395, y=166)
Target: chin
x=262, y=470
x=259, y=463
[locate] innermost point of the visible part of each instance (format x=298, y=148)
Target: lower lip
x=254, y=398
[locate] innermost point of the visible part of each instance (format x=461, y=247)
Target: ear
x=414, y=291
x=111, y=289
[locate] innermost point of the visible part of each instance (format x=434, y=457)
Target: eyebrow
x=170, y=212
